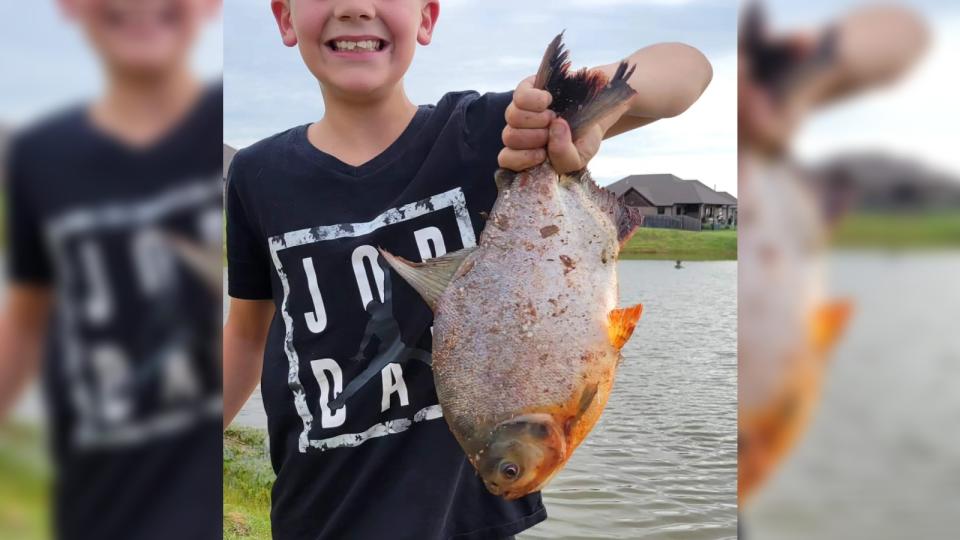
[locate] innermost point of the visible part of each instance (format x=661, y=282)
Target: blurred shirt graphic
x=112, y=219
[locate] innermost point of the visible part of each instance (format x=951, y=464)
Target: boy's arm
x=244, y=339
x=875, y=45
x=669, y=77
x=23, y=328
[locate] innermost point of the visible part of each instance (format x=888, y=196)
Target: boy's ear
x=281, y=12
x=428, y=20
x=69, y=8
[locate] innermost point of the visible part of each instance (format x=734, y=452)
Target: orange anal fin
x=829, y=322
x=622, y=322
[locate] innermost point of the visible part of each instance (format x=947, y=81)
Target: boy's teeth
x=365, y=45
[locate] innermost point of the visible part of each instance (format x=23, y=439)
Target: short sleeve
x=484, y=119
x=28, y=256
x=248, y=264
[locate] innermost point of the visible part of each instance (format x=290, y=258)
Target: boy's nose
x=354, y=9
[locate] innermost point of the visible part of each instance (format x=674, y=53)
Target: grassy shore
x=247, y=480
x=24, y=483
x=900, y=231
x=672, y=244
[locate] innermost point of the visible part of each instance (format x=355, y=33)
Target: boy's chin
x=360, y=87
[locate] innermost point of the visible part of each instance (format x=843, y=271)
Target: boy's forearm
x=668, y=78
x=22, y=332
x=244, y=340
x=242, y=364
x=875, y=45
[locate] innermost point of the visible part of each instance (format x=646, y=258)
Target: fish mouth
x=356, y=44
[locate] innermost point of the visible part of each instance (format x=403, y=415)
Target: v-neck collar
x=388, y=156
x=173, y=135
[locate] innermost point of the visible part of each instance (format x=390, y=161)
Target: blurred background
x=879, y=457
x=50, y=70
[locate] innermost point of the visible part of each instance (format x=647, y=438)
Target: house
x=668, y=195
x=228, y=153
x=875, y=181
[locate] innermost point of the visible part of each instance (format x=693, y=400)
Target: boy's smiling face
x=143, y=36
x=356, y=48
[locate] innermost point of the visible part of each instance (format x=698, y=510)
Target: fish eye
x=509, y=470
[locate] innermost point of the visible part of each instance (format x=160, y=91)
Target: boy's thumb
x=564, y=156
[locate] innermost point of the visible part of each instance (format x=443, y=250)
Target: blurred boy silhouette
x=101, y=303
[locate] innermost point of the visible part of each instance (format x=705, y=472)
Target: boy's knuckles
x=518, y=160
x=524, y=138
x=521, y=118
x=531, y=99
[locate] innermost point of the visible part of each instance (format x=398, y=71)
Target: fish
x=787, y=327
x=527, y=333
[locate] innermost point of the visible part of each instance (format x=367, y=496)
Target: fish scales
x=541, y=297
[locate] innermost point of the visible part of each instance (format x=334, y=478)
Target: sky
x=47, y=65
x=490, y=45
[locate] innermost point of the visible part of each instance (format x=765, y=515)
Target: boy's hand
x=526, y=136
x=531, y=127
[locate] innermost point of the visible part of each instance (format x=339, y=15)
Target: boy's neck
x=140, y=109
x=356, y=132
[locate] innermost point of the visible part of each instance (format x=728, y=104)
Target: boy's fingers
x=524, y=139
x=531, y=99
x=520, y=118
x=518, y=160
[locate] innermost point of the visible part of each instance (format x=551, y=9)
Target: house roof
x=667, y=190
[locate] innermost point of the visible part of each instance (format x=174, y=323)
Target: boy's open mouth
x=357, y=46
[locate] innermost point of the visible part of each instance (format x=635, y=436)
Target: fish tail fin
x=583, y=97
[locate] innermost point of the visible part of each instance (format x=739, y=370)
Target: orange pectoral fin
x=829, y=322
x=622, y=322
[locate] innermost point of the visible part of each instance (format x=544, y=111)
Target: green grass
x=24, y=483
x=247, y=480
x=672, y=244
x=900, y=231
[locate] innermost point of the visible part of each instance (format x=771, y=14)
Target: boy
x=130, y=369
x=311, y=305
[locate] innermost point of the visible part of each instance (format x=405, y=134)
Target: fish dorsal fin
x=622, y=322
x=829, y=322
x=625, y=218
x=583, y=97
x=431, y=277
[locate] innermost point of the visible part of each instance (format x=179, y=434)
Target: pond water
x=662, y=461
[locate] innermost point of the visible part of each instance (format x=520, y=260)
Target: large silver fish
x=527, y=332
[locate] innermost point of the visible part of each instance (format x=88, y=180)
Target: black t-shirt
x=303, y=229
x=131, y=372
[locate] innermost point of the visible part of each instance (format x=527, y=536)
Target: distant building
x=874, y=181
x=668, y=195
x=228, y=153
